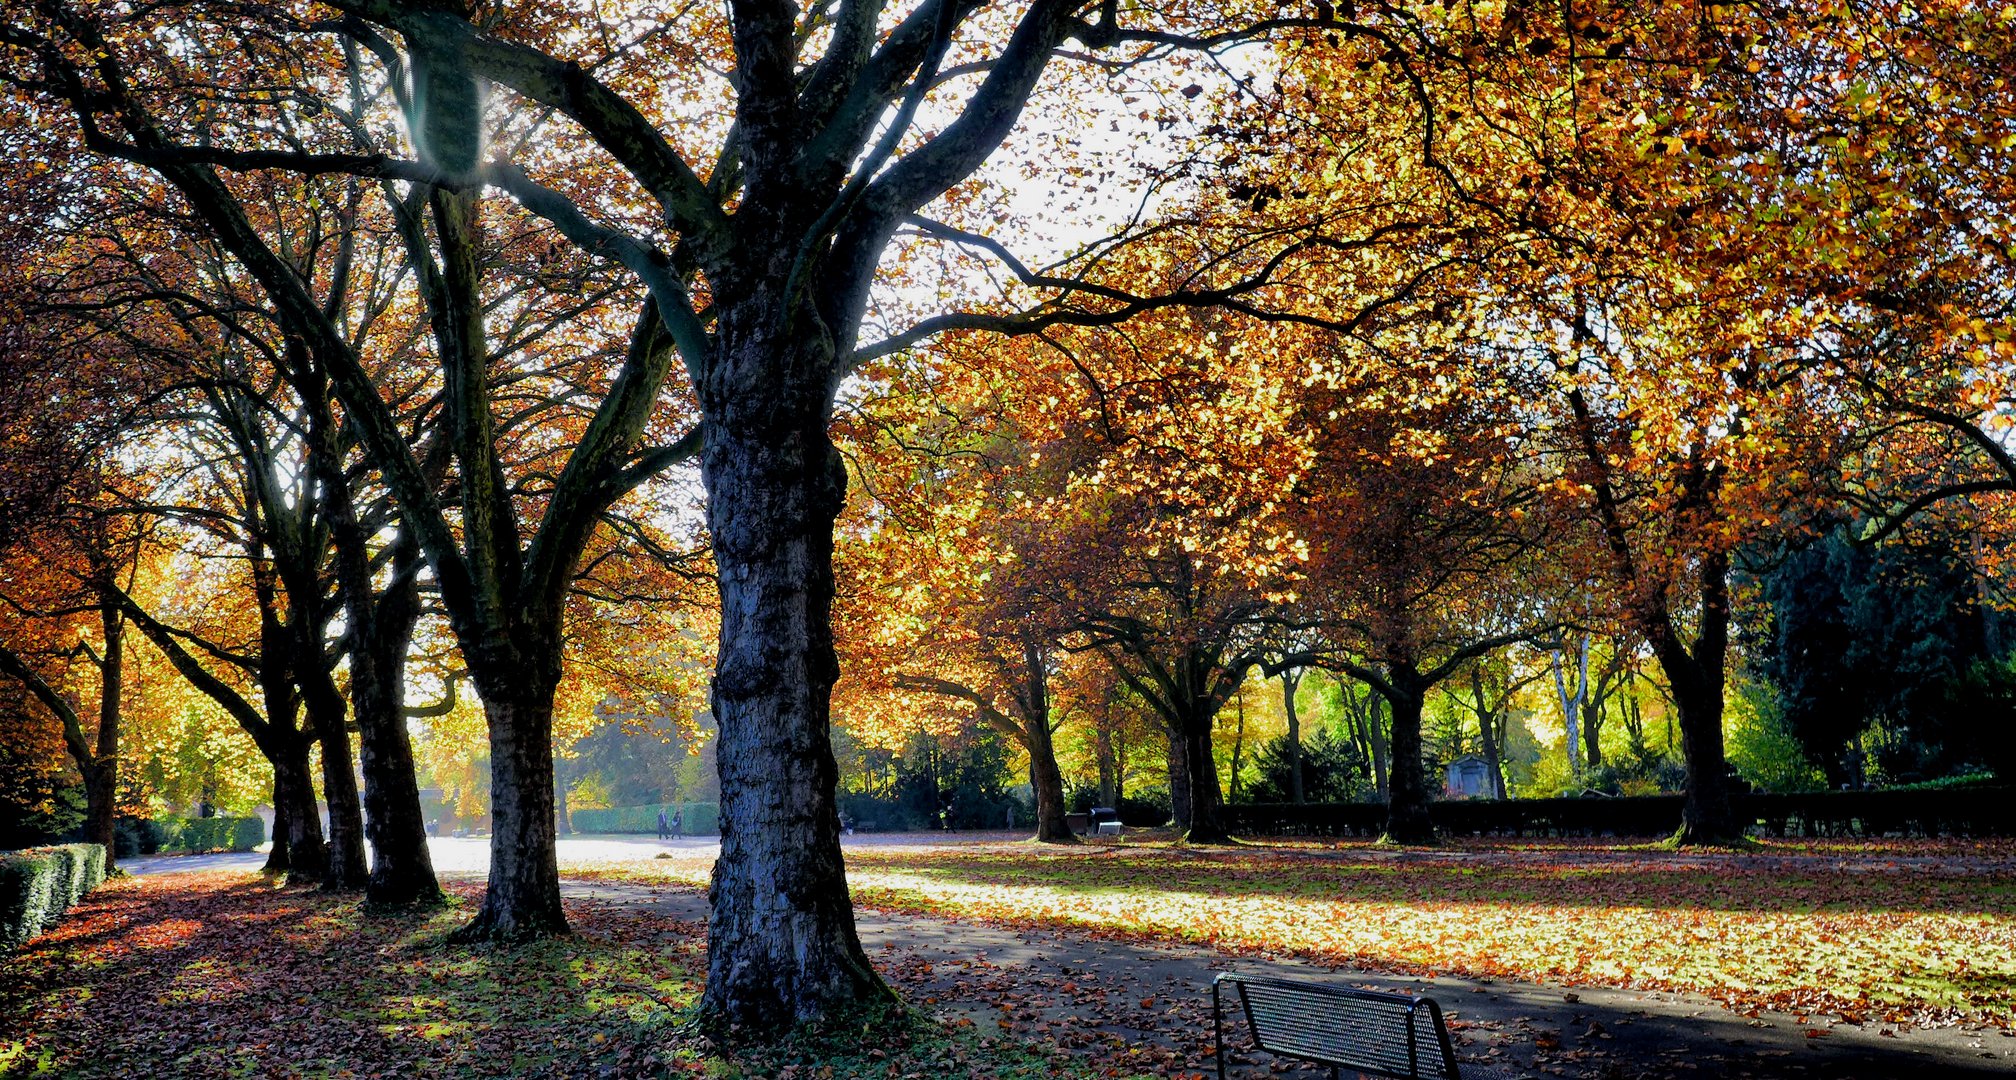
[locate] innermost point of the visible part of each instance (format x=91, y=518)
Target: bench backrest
x=1380, y=1034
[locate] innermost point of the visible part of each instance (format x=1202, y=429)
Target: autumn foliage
x=396, y=398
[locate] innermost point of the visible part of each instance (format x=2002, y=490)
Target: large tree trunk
x=381, y=630
x=277, y=851
x=1207, y=825
x=1697, y=677
x=1179, y=779
x=402, y=869
x=1707, y=816
x=1291, y=679
x=1032, y=703
x=1407, y=820
x=307, y=858
x=522, y=900
x=326, y=716
x=781, y=943
x=1048, y=780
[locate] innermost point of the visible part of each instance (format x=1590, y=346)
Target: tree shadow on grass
x=200, y=976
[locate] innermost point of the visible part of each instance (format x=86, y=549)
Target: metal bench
x=1352, y=1031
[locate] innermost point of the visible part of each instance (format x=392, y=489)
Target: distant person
x=664, y=827
x=678, y=823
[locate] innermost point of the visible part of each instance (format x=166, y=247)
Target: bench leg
x=1218, y=1029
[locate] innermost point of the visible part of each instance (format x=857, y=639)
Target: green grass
x=1911, y=939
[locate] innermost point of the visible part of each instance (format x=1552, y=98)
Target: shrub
x=1332, y=771
x=872, y=814
x=695, y=819
x=1965, y=811
x=1145, y=810
x=198, y=835
x=38, y=885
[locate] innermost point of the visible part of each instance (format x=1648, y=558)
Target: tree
x=1885, y=636
x=1420, y=520
x=943, y=595
x=42, y=593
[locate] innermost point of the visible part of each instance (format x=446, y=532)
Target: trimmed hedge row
x=198, y=835
x=1980, y=811
x=39, y=884
x=696, y=819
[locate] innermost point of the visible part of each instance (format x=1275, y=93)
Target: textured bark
x=1207, y=825
x=380, y=630
x=781, y=943
x=307, y=855
x=1697, y=676
x=1407, y=820
x=1048, y=780
x=402, y=869
x=523, y=898
x=1707, y=816
x=1695, y=673
x=327, y=716
x=1032, y=701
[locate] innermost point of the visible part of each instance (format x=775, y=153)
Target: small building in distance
x=1469, y=777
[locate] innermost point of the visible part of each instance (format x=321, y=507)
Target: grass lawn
x=1899, y=932
x=224, y=975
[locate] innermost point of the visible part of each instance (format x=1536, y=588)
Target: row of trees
x=395, y=330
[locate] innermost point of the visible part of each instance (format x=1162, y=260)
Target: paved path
x=471, y=855
x=1148, y=1005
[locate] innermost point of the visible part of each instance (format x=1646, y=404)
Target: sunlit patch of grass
x=1916, y=940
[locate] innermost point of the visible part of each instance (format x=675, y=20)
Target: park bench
x=1354, y=1032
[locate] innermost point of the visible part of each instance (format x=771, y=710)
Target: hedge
x=196, y=835
x=696, y=819
x=39, y=884
x=1974, y=811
